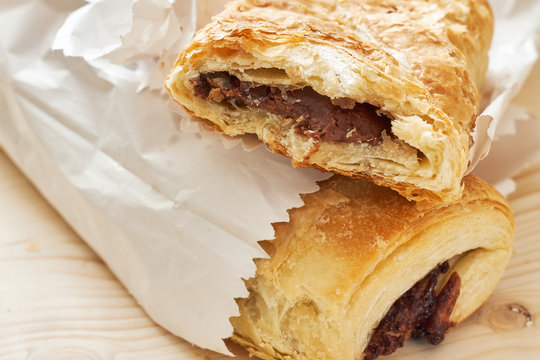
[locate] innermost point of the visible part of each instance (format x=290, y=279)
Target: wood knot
x=511, y=316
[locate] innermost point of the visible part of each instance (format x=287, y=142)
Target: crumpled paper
x=176, y=213
x=176, y=216
x=513, y=53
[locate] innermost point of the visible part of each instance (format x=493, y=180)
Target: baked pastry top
x=359, y=269
x=386, y=90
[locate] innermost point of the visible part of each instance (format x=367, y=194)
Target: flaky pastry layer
x=351, y=251
x=421, y=63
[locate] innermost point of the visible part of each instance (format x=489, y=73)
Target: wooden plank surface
x=59, y=301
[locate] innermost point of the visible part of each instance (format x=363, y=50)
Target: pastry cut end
x=361, y=88
x=356, y=278
x=359, y=139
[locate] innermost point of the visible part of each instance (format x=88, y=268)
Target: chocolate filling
x=312, y=114
x=417, y=313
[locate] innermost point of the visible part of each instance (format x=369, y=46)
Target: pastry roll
x=359, y=269
x=386, y=90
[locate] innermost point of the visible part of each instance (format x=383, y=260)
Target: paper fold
x=177, y=217
x=512, y=56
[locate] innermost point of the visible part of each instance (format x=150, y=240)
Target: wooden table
x=59, y=301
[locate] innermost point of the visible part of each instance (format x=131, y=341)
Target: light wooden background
x=58, y=300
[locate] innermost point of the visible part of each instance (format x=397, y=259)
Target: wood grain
x=59, y=301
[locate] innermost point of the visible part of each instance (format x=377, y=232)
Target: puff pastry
x=338, y=268
x=386, y=90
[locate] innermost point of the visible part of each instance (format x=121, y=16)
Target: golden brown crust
x=420, y=62
x=352, y=250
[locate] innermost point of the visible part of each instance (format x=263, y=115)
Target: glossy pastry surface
x=358, y=253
